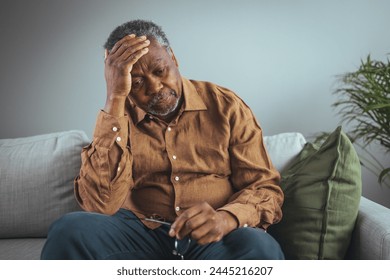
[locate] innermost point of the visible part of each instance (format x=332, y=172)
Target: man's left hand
x=203, y=224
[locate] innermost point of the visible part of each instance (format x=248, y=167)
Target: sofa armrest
x=371, y=236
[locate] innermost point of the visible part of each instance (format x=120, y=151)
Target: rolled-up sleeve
x=106, y=169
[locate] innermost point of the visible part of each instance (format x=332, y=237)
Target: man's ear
x=105, y=53
x=174, y=57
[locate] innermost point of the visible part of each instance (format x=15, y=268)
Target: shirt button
x=177, y=208
x=119, y=168
x=118, y=139
x=177, y=178
x=169, y=128
x=174, y=157
x=245, y=225
x=115, y=129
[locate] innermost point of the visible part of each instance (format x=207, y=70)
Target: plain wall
x=282, y=57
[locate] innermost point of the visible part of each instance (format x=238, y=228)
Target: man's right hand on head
x=118, y=65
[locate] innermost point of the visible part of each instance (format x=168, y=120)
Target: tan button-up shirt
x=213, y=151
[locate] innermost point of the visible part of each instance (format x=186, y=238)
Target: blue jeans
x=84, y=235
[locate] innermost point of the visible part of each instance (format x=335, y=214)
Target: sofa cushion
x=36, y=181
x=322, y=188
x=21, y=248
x=283, y=148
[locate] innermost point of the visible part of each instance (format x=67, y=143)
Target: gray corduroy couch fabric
x=36, y=188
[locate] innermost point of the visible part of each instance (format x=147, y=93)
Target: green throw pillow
x=322, y=190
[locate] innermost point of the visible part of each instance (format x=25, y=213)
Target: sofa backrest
x=283, y=148
x=37, y=173
x=36, y=181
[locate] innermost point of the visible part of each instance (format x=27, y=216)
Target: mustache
x=161, y=95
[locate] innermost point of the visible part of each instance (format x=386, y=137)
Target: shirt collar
x=192, y=99
x=192, y=102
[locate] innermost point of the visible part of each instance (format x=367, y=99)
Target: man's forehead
x=147, y=63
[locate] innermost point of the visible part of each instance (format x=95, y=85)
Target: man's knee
x=254, y=243
x=72, y=225
x=68, y=232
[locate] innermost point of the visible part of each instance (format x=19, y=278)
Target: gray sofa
x=36, y=188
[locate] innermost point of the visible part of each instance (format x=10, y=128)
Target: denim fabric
x=85, y=235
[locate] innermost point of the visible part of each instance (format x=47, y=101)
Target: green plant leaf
x=364, y=105
x=377, y=106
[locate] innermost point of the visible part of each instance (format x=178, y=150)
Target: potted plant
x=364, y=104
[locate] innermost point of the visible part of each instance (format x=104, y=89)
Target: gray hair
x=139, y=28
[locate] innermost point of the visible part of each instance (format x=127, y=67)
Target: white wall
x=281, y=57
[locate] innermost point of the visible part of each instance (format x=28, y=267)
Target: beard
x=163, y=103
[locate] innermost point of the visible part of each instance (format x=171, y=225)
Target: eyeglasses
x=181, y=246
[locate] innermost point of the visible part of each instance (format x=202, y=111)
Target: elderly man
x=177, y=168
